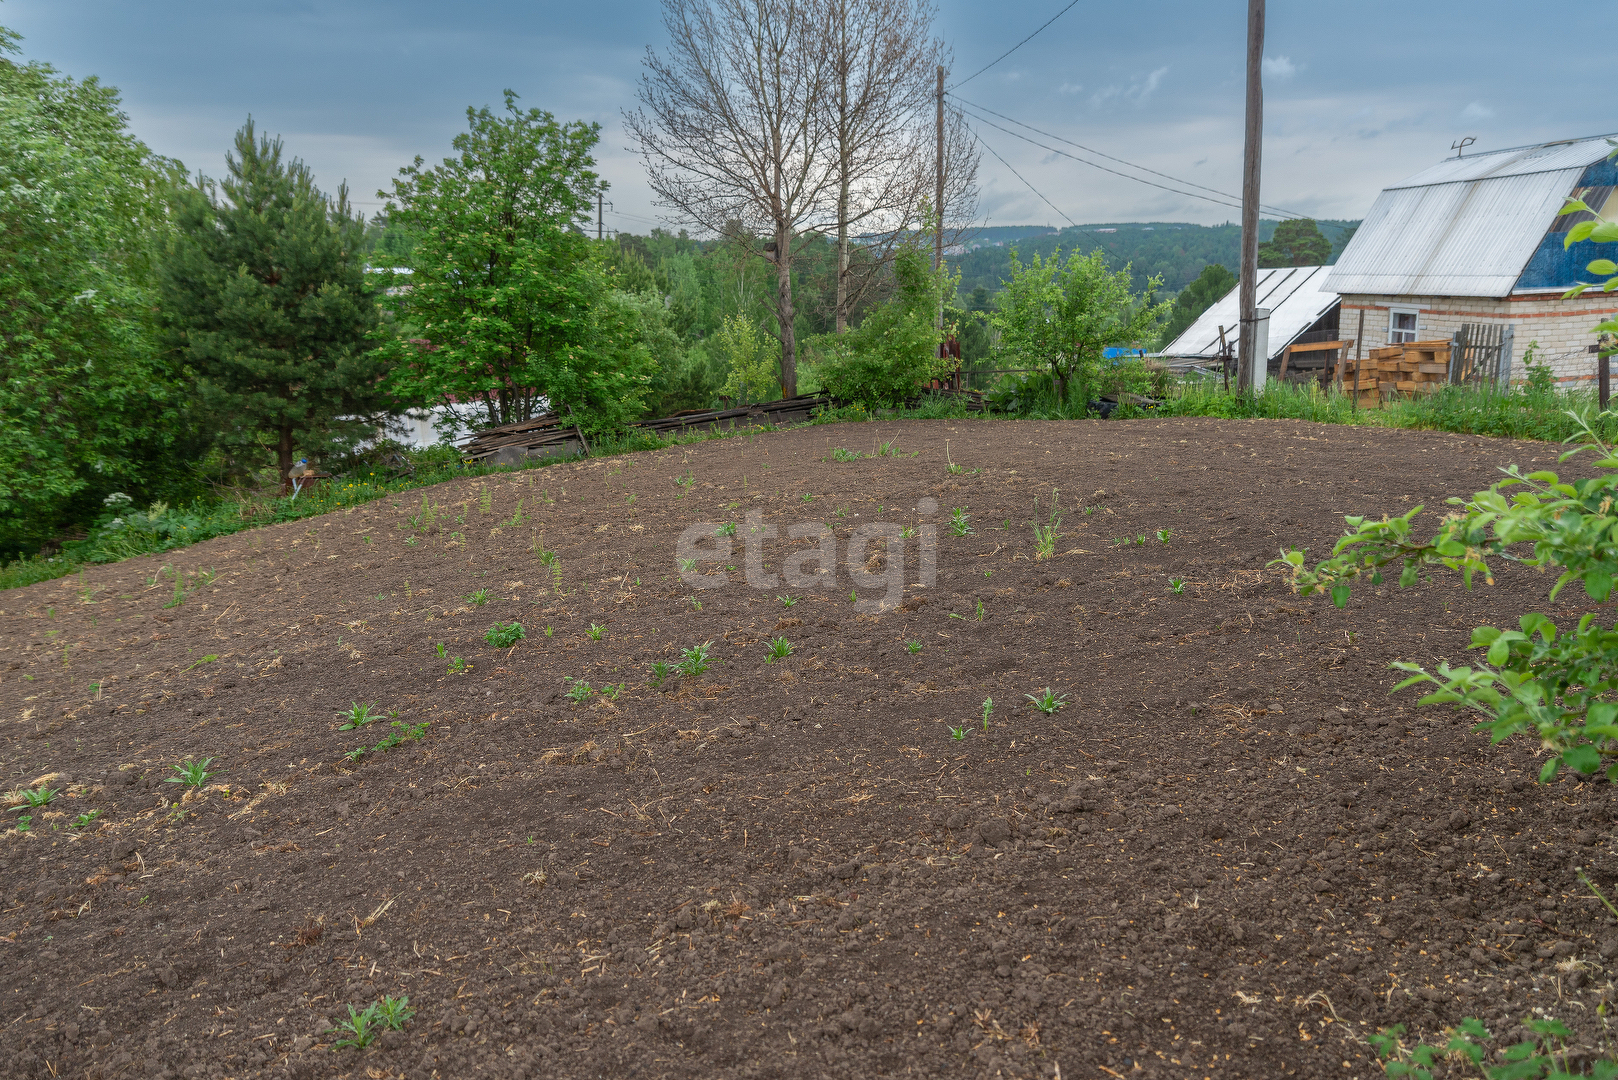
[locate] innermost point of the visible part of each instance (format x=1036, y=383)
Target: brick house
x=1477, y=241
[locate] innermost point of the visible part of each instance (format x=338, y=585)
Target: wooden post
x=1359, y=350
x=1247, y=364
x=1224, y=358
x=938, y=190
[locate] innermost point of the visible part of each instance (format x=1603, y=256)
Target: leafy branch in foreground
x=1535, y=680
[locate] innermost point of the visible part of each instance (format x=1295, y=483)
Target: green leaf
x=1598, y=583
x=1548, y=772
x=1603, y=267
x=1500, y=652
x=1407, y=577
x=1605, y=232
x=1376, y=577
x=1581, y=231
x=1339, y=595
x=1583, y=757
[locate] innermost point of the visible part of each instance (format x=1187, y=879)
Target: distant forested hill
x=1176, y=251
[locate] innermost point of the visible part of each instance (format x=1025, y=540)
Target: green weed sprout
x=684, y=483
x=958, y=522
x=780, y=649
x=988, y=711
x=579, y=691
x=1177, y=586
x=694, y=661
x=362, y=1026
x=1047, y=701
x=358, y=716
x=85, y=820
x=394, y=1012
x=612, y=690
x=457, y=666
x=687, y=565
x=727, y=529
x=193, y=774
x=596, y=631
x=479, y=598
x=438, y=647
x=1044, y=541
x=36, y=798
x=788, y=601
x=1163, y=536
x=401, y=734
x=1140, y=538
x=25, y=822
x=505, y=635
x=839, y=454
x=980, y=611
x=958, y=733
x=913, y=646
x=908, y=532
x=853, y=596
x=549, y=631
x=660, y=672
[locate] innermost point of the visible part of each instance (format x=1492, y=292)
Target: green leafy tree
x=87, y=403
x=1297, y=242
x=1059, y=316
x=894, y=350
x=753, y=375
x=514, y=302
x=265, y=297
x=1214, y=282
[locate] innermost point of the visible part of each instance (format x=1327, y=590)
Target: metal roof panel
x=1296, y=300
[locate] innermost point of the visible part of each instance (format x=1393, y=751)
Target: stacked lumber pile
x=1415, y=367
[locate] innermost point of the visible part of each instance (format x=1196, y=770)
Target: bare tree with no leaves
x=882, y=58
x=732, y=129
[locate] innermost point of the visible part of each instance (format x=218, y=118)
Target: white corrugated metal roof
x=1295, y=296
x=1464, y=227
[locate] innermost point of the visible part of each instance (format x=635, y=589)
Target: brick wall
x=1562, y=328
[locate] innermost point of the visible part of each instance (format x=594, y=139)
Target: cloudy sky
x=1358, y=95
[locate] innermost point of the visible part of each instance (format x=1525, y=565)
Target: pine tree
x=1298, y=242
x=265, y=296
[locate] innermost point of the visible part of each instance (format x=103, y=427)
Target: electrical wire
x=1103, y=168
x=1015, y=47
x=1021, y=177
x=1188, y=183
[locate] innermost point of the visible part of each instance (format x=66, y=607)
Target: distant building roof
x=1480, y=225
x=1295, y=295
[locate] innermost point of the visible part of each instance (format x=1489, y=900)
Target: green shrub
x=893, y=353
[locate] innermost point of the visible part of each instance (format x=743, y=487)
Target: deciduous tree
x=87, y=404
x=515, y=305
x=733, y=130
x=1061, y=316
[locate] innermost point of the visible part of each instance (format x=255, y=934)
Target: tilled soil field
x=1229, y=853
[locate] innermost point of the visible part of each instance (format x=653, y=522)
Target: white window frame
x=1394, y=334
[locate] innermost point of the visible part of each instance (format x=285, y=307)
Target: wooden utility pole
x=1247, y=361
x=598, y=215
x=938, y=190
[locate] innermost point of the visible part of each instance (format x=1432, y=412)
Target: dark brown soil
x=1232, y=853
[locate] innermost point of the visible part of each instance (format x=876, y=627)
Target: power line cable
x=1014, y=48
x=1103, y=168
x=1189, y=183
x=1021, y=177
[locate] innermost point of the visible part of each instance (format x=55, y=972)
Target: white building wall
x=1563, y=329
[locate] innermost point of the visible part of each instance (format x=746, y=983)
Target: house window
x=1402, y=325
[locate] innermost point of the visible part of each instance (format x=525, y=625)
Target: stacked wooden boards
x=1414, y=367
